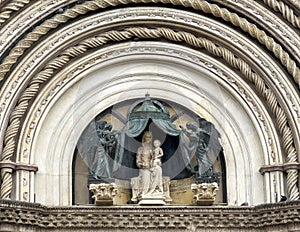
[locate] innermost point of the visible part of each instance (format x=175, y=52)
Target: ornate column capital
x=104, y=193
x=205, y=193
x=10, y=165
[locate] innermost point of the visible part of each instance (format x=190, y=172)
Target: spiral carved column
x=6, y=167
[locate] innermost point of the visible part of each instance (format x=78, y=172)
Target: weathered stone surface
x=205, y=193
x=104, y=193
x=166, y=190
x=152, y=199
x=20, y=216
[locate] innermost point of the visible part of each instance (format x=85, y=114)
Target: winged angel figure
x=97, y=151
x=204, y=141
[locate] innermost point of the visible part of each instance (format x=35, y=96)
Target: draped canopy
x=176, y=155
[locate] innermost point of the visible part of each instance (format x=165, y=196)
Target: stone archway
x=69, y=114
x=279, y=140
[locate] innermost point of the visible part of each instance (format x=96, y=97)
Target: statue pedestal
x=152, y=199
x=104, y=193
x=205, y=193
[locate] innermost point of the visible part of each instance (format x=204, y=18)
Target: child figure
x=156, y=167
x=157, y=153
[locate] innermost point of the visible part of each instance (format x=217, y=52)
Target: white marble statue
x=156, y=170
x=149, y=164
x=144, y=162
x=148, y=188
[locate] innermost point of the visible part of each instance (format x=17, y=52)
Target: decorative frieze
x=269, y=217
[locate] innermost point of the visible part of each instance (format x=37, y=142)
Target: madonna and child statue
x=149, y=185
x=148, y=160
x=151, y=150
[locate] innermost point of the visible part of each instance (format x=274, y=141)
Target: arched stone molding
x=28, y=17
x=284, y=29
x=204, y=6
x=272, y=64
x=65, y=125
x=182, y=56
x=270, y=69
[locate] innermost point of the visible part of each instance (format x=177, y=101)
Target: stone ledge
x=279, y=167
x=18, y=166
x=125, y=217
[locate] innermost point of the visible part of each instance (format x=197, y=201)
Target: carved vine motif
x=153, y=33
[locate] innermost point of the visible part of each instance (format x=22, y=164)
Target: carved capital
x=104, y=193
x=205, y=193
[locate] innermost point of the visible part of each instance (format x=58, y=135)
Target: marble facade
x=234, y=63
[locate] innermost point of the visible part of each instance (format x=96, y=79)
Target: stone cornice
x=150, y=217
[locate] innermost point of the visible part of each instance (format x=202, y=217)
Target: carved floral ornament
x=171, y=35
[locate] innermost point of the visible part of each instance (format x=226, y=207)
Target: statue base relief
x=152, y=199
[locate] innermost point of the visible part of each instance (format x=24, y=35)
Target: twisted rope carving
x=202, y=5
x=6, y=184
x=296, y=3
x=285, y=10
x=172, y=35
x=11, y=6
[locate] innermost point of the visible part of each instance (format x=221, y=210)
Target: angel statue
x=100, y=166
x=204, y=140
